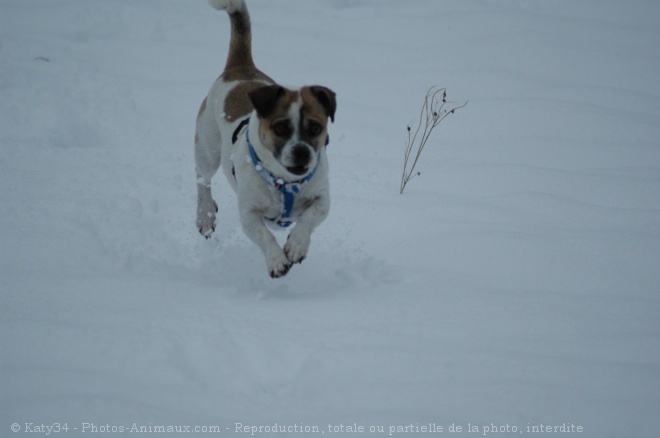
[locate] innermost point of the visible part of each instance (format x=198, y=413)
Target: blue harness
x=288, y=190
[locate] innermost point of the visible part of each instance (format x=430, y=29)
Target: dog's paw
x=296, y=247
x=206, y=220
x=278, y=265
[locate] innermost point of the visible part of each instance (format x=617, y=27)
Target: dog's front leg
x=297, y=244
x=255, y=228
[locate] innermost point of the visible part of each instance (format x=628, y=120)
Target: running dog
x=270, y=141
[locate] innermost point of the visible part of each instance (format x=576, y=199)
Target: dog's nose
x=301, y=154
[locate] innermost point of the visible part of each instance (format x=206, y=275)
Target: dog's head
x=293, y=124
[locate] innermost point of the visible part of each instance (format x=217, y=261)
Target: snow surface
x=514, y=282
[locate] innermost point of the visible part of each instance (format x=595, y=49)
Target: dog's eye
x=281, y=129
x=314, y=128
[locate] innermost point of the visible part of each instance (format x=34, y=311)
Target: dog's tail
x=240, y=44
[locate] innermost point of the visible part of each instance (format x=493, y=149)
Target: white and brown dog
x=271, y=143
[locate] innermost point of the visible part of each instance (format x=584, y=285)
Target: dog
x=271, y=143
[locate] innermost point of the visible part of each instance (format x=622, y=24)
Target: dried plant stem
x=432, y=113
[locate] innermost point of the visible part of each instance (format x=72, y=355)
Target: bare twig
x=432, y=113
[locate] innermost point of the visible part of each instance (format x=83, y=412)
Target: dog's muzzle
x=300, y=159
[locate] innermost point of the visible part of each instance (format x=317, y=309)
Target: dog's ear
x=265, y=99
x=326, y=98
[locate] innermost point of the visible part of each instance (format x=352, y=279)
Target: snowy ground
x=514, y=283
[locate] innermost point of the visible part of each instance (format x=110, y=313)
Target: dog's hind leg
x=207, y=162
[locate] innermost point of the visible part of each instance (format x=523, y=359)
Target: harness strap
x=237, y=131
x=234, y=139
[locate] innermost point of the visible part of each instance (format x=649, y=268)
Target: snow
x=515, y=282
